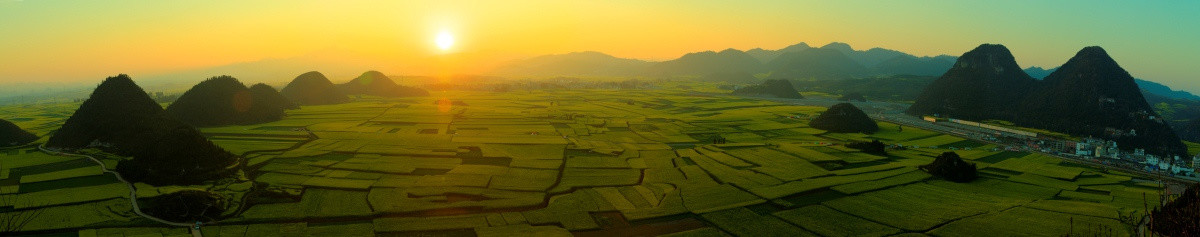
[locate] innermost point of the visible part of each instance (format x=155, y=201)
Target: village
x=1088, y=149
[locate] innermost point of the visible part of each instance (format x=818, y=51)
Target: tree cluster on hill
x=773, y=87
x=1182, y=114
x=223, y=100
x=377, y=84
x=1188, y=130
x=185, y=206
x=875, y=147
x=312, y=88
x=1090, y=95
x=844, y=118
x=951, y=167
x=1179, y=217
x=12, y=135
x=268, y=102
x=119, y=118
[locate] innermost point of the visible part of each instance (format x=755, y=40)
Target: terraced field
x=585, y=162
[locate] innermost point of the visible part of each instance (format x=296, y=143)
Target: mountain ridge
x=12, y=135
x=873, y=61
x=1089, y=95
x=1092, y=95
x=119, y=118
x=223, y=100
x=313, y=88
x=377, y=84
x=985, y=82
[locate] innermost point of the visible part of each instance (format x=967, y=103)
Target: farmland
x=585, y=162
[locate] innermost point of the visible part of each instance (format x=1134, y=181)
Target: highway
x=898, y=119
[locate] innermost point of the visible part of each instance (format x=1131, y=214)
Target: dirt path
x=132, y=190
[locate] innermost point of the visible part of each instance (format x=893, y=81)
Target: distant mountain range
x=818, y=63
x=799, y=61
x=586, y=64
x=1090, y=95
x=707, y=62
x=1160, y=89
x=1148, y=86
x=839, y=68
x=1038, y=72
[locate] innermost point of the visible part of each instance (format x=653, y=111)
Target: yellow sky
x=54, y=40
x=157, y=37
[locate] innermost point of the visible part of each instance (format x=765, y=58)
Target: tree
x=1179, y=217
x=951, y=167
x=16, y=220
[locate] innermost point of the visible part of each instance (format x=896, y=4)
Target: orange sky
x=54, y=40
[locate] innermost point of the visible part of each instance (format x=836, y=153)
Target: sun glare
x=444, y=40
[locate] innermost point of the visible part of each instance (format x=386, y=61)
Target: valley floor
x=587, y=163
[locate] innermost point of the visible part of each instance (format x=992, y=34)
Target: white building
x=1196, y=162
x=1082, y=149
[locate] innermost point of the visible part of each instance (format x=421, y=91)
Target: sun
x=444, y=40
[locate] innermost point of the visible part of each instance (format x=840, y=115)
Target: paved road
x=132, y=191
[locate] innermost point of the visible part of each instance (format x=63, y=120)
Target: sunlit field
x=583, y=162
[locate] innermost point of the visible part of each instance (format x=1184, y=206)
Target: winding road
x=132, y=191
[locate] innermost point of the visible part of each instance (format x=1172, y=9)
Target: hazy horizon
x=147, y=40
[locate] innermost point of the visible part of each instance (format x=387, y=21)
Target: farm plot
x=794, y=187
x=892, y=132
x=743, y=222
x=1022, y=221
x=919, y=207
x=592, y=161
x=933, y=141
x=828, y=222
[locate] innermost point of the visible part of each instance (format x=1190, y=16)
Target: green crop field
x=596, y=161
